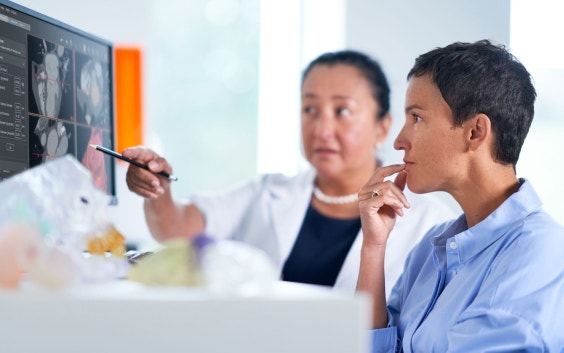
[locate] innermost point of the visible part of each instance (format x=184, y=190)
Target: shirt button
x=453, y=245
x=454, y=272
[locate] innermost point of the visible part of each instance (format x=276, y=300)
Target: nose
x=324, y=125
x=400, y=143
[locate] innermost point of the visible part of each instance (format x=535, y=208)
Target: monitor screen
x=56, y=95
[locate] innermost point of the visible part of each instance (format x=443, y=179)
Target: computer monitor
x=56, y=95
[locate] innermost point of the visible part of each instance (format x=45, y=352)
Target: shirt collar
x=475, y=239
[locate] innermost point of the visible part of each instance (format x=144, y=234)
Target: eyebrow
x=335, y=97
x=411, y=107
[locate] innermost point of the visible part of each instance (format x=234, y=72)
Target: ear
x=479, y=131
x=383, y=127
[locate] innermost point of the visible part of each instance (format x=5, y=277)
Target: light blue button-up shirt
x=496, y=287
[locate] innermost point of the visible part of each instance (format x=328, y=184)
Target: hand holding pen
x=145, y=176
x=132, y=161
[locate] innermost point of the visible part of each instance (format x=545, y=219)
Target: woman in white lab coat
x=308, y=224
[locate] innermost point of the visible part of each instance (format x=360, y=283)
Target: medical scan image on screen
x=50, y=79
x=55, y=95
x=51, y=100
x=93, y=114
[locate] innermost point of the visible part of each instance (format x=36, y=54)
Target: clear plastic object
x=60, y=197
x=60, y=201
x=233, y=268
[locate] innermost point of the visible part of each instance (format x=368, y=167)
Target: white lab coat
x=268, y=213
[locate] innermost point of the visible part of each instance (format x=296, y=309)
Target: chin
x=417, y=187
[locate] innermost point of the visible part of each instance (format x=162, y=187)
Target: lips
x=408, y=163
x=325, y=151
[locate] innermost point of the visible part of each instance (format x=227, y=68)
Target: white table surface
x=123, y=316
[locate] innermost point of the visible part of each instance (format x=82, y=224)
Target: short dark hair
x=481, y=77
x=368, y=67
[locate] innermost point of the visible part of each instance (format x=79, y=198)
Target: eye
x=308, y=110
x=343, y=111
x=416, y=118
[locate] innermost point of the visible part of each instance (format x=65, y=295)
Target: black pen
x=135, y=163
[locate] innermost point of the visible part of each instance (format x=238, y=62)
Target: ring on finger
x=375, y=193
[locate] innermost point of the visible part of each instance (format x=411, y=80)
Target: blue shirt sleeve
x=385, y=340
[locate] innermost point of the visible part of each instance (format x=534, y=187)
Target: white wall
x=531, y=21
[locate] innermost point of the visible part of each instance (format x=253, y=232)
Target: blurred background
x=220, y=79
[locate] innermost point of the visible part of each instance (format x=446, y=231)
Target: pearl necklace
x=334, y=200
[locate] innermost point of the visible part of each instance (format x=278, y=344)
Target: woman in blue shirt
x=491, y=280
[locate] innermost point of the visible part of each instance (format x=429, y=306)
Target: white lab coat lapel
x=348, y=276
x=287, y=210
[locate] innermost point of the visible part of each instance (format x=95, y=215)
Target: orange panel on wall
x=129, y=112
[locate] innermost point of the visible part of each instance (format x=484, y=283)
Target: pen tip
x=93, y=146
